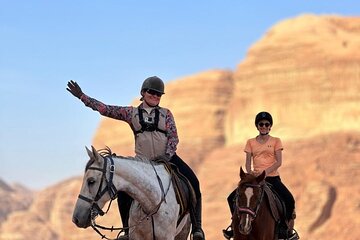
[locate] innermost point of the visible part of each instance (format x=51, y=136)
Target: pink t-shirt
x=263, y=153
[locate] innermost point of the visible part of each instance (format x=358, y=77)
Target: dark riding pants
x=284, y=194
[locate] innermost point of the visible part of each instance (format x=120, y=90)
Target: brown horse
x=252, y=219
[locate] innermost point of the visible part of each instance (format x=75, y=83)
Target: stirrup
x=293, y=236
x=228, y=232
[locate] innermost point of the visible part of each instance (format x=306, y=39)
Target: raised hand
x=74, y=89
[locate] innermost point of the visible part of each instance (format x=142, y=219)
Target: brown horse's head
x=248, y=199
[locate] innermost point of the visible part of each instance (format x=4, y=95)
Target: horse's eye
x=91, y=181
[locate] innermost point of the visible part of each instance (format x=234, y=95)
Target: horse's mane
x=107, y=152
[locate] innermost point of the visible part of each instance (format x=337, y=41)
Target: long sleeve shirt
x=127, y=114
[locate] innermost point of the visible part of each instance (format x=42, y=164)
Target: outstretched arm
x=116, y=112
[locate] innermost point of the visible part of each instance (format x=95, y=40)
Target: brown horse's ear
x=242, y=173
x=261, y=177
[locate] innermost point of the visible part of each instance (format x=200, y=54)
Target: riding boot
x=283, y=230
x=229, y=232
x=197, y=232
x=124, y=204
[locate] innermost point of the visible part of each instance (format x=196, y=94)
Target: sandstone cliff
x=305, y=71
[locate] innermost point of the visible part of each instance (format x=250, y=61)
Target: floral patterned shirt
x=125, y=114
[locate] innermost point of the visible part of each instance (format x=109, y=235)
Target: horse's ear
x=89, y=152
x=261, y=177
x=95, y=153
x=242, y=173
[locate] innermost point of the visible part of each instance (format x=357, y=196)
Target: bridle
x=112, y=191
x=246, y=210
x=109, y=187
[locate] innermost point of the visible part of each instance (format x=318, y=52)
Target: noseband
x=109, y=186
x=252, y=212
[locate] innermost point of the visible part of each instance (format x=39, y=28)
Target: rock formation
x=13, y=198
x=306, y=72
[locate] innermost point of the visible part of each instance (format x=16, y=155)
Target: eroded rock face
x=13, y=198
x=306, y=72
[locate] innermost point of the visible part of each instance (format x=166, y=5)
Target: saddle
x=278, y=211
x=184, y=191
x=277, y=205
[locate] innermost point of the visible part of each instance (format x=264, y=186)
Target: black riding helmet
x=263, y=116
x=153, y=83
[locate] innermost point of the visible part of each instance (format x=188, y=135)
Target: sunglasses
x=264, y=124
x=154, y=93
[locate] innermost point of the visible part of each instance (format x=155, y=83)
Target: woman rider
x=264, y=153
x=155, y=135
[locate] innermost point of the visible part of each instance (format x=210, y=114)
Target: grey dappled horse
x=154, y=211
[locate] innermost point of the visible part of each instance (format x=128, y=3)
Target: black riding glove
x=74, y=89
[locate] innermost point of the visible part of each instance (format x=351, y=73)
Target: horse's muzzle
x=81, y=224
x=245, y=230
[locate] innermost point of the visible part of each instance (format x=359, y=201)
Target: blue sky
x=109, y=47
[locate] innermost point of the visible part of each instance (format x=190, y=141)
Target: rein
x=111, y=189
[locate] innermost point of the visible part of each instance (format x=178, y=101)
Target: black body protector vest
x=149, y=124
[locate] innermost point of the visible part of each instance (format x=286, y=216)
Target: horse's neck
x=138, y=179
